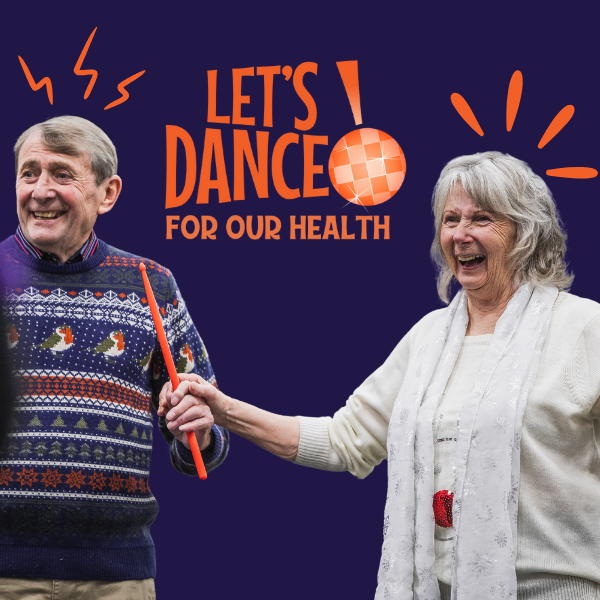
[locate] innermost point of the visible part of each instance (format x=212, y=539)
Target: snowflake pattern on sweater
x=74, y=472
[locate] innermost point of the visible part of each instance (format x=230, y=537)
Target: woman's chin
x=472, y=281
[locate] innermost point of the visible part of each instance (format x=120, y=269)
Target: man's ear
x=112, y=188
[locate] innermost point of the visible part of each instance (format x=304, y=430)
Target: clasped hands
x=193, y=407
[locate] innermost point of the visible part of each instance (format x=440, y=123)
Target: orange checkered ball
x=367, y=167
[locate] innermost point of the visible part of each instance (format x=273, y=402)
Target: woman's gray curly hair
x=504, y=185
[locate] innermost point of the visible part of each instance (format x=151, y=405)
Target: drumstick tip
x=142, y=266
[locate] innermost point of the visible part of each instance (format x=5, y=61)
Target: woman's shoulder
x=574, y=312
x=574, y=335
x=573, y=319
x=422, y=327
x=426, y=322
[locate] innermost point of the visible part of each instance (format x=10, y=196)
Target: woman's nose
x=461, y=233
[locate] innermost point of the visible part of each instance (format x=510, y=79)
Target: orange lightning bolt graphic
x=77, y=70
x=124, y=92
x=36, y=86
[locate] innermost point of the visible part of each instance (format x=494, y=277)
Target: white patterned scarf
x=487, y=460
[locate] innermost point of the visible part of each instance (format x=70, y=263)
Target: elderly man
x=74, y=500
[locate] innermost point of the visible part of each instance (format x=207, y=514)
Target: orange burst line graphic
x=124, y=92
x=573, y=172
x=464, y=110
x=515, y=89
x=513, y=99
x=77, y=70
x=559, y=121
x=36, y=86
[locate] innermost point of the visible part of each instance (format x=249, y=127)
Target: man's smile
x=48, y=215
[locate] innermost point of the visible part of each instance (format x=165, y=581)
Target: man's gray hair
x=73, y=136
x=504, y=185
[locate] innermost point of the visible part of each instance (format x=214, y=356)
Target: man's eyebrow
x=29, y=163
x=59, y=164
x=54, y=164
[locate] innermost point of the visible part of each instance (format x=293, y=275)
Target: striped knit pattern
x=74, y=495
x=85, y=252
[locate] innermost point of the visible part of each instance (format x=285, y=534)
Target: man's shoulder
x=122, y=258
x=116, y=255
x=7, y=246
x=161, y=278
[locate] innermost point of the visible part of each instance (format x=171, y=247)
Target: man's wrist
x=207, y=442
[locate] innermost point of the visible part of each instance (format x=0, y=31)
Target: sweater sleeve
x=355, y=438
x=190, y=356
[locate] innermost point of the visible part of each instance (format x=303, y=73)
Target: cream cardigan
x=559, y=495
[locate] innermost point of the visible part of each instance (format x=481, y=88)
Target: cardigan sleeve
x=354, y=439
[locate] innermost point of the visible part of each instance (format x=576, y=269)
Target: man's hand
x=186, y=412
x=193, y=389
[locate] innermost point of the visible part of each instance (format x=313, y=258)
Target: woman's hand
x=275, y=433
x=187, y=412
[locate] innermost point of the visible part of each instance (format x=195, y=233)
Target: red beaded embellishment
x=442, y=508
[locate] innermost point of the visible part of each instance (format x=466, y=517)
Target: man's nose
x=44, y=187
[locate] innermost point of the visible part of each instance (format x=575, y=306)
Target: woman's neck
x=484, y=312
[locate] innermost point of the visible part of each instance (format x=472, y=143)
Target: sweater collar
x=85, y=252
x=18, y=255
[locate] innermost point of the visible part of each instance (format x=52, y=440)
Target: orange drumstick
x=164, y=345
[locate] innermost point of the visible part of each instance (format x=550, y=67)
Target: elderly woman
x=487, y=410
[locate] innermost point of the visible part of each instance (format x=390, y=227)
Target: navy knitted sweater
x=74, y=496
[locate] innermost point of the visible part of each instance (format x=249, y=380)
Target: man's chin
x=44, y=237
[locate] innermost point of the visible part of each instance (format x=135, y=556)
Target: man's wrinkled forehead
x=34, y=148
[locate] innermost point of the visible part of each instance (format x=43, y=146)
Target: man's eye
x=28, y=174
x=63, y=176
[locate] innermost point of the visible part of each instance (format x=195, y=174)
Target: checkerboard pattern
x=367, y=167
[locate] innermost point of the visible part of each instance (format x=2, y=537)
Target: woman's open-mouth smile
x=471, y=262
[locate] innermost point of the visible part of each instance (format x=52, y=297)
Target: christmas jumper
x=74, y=496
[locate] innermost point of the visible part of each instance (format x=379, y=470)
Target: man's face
x=57, y=198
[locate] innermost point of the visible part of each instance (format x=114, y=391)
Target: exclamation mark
x=349, y=71
x=366, y=166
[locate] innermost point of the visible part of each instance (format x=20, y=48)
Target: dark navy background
x=295, y=326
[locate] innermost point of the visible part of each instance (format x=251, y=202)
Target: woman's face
x=476, y=244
